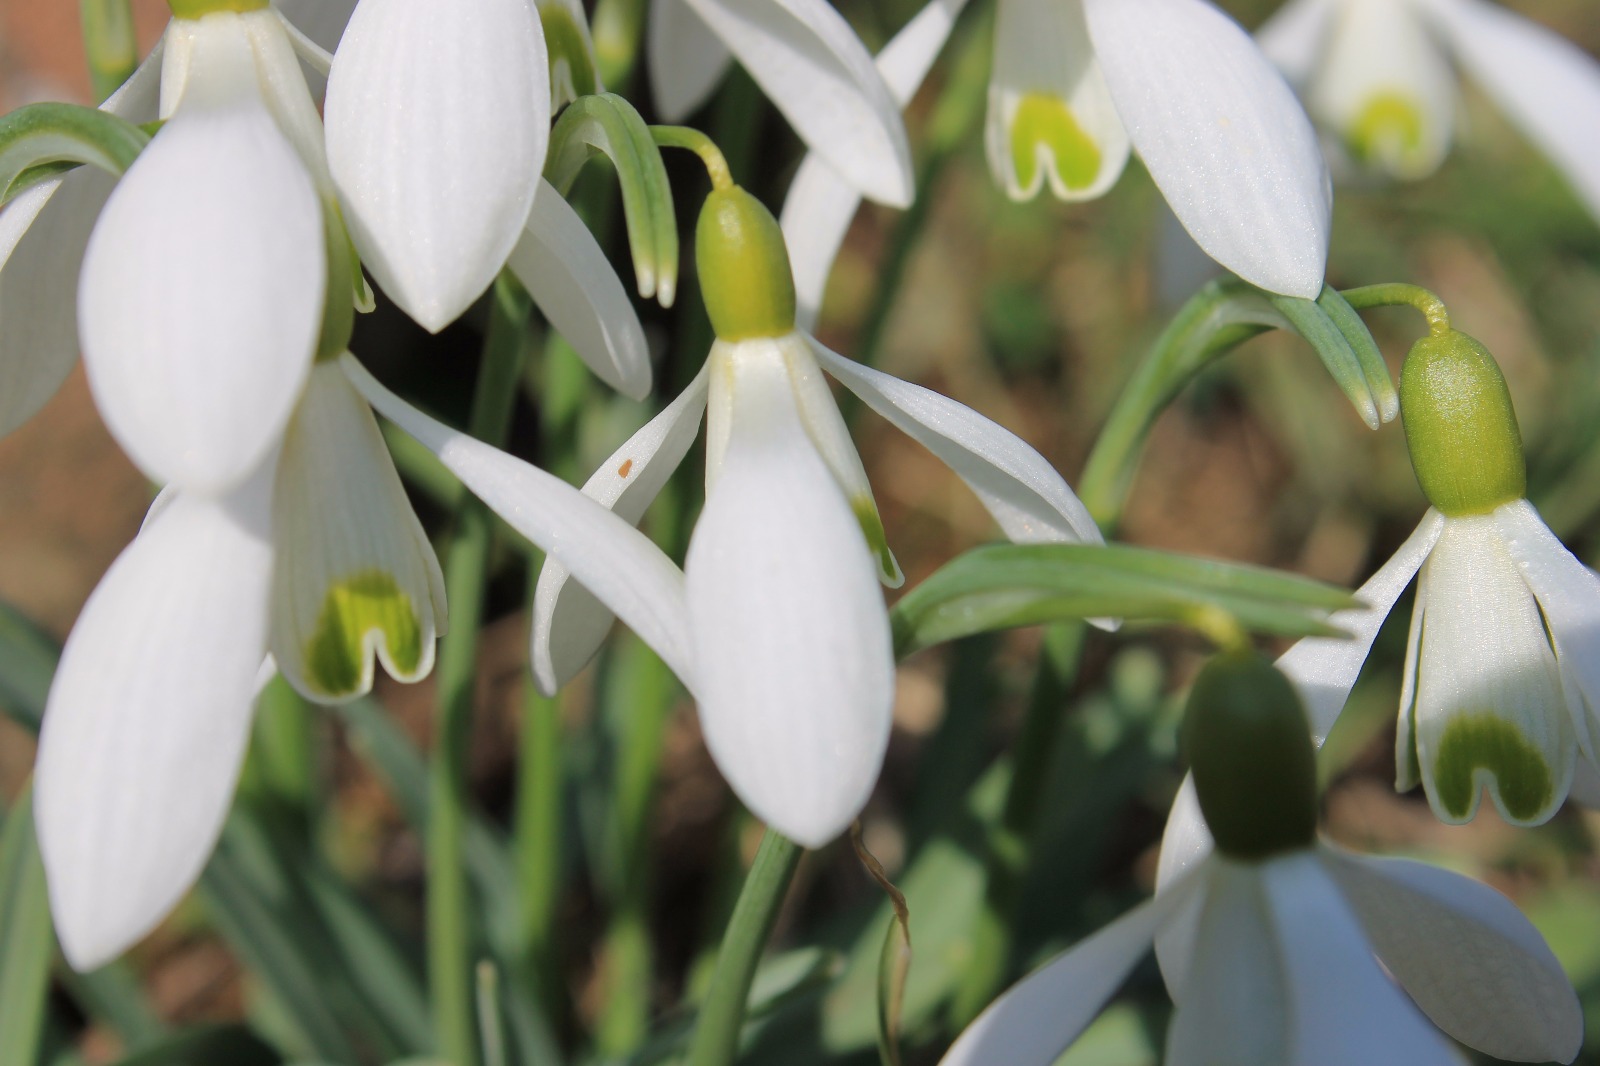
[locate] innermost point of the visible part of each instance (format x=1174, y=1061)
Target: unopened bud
x=1460, y=426
x=745, y=276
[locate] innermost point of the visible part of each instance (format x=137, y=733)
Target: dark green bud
x=1249, y=746
x=745, y=277
x=1462, y=432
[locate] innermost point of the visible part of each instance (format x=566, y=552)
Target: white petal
x=1185, y=843
x=1296, y=36
x=1017, y=485
x=825, y=426
x=1547, y=85
x=356, y=576
x=1407, y=775
x=321, y=20
x=1490, y=707
x=437, y=126
x=148, y=717
x=569, y=624
x=1232, y=1006
x=43, y=233
x=1342, y=1007
x=573, y=283
x=616, y=562
x=686, y=59
x=139, y=98
x=820, y=204
x=791, y=633
x=201, y=295
x=1569, y=598
x=1466, y=955
x=1039, y=1016
x=286, y=93
x=1324, y=669
x=817, y=72
x=1051, y=117
x=1222, y=135
x=1386, y=88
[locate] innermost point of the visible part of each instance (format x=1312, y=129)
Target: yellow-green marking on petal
x=363, y=603
x=571, y=68
x=1484, y=742
x=1044, y=122
x=866, y=512
x=1387, y=130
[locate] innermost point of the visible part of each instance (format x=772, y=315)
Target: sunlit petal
x=686, y=59
x=148, y=717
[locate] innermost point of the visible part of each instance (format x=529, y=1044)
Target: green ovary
x=1484, y=742
x=1387, y=130
x=564, y=41
x=1044, y=121
x=360, y=604
x=197, y=9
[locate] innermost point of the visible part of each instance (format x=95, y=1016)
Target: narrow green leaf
x=608, y=125
x=235, y=1045
x=1312, y=322
x=1355, y=332
x=27, y=663
x=27, y=939
x=35, y=138
x=894, y=963
x=109, y=43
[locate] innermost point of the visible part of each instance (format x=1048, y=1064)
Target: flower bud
x=745, y=277
x=197, y=9
x=1249, y=747
x=1460, y=426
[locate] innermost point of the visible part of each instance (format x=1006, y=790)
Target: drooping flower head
x=1271, y=944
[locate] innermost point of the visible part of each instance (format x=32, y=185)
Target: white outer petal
x=1547, y=85
x=686, y=59
x=1569, y=597
x=616, y=562
x=1027, y=497
x=43, y=233
x=437, y=127
x=1343, y=1009
x=1484, y=655
x=1324, y=669
x=569, y=624
x=820, y=205
x=1042, y=47
x=339, y=512
x=790, y=629
x=1466, y=955
x=321, y=20
x=148, y=718
x=569, y=277
x=139, y=98
x=1040, y=1015
x=1222, y=135
x=1185, y=843
x=816, y=71
x=1296, y=35
x=201, y=294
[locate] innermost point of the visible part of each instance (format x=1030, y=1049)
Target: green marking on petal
x=195, y=9
x=1387, y=130
x=367, y=602
x=1484, y=742
x=866, y=512
x=1044, y=122
x=571, y=67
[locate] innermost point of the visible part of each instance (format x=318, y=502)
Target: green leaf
x=1312, y=321
x=608, y=125
x=27, y=939
x=205, y=1045
x=35, y=141
x=1356, y=334
x=109, y=43
x=1007, y=585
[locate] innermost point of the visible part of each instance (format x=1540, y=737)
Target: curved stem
x=701, y=145
x=1400, y=295
x=450, y=970
x=716, y=1034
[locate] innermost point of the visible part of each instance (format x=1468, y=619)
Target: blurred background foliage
x=303, y=942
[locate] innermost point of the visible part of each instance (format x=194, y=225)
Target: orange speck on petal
x=625, y=468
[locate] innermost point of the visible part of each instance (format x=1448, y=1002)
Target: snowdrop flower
x=317, y=559
x=1273, y=942
x=793, y=666
x=1378, y=75
x=807, y=60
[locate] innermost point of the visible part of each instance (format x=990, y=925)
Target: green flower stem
x=538, y=836
x=687, y=137
x=716, y=1033
x=618, y=29
x=1009, y=842
x=1400, y=295
x=450, y=969
x=108, y=43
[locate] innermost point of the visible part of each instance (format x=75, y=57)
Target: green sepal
x=745, y=276
x=1249, y=747
x=41, y=140
x=1465, y=444
x=1329, y=325
x=1006, y=585
x=608, y=125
